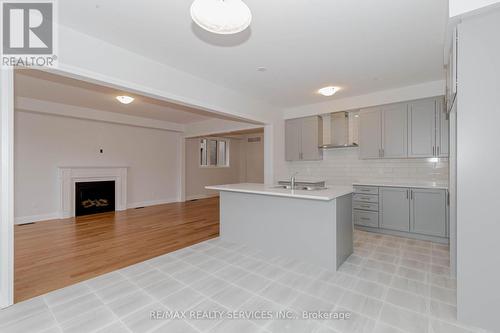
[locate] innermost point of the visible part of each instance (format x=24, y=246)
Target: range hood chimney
x=336, y=130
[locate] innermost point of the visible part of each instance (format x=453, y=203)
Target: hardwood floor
x=53, y=254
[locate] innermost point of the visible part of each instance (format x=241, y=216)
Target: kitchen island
x=314, y=227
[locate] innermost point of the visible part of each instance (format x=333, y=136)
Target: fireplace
x=94, y=197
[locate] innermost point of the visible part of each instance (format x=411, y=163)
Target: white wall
x=45, y=142
x=343, y=167
x=246, y=164
x=217, y=126
x=401, y=94
x=90, y=58
x=478, y=180
x=6, y=187
x=460, y=7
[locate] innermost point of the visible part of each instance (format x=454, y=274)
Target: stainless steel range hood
x=340, y=130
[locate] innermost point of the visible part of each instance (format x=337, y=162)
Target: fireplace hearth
x=94, y=197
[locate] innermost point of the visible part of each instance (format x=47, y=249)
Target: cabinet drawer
x=366, y=190
x=365, y=206
x=364, y=218
x=365, y=197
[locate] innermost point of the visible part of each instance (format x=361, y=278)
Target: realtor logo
x=28, y=33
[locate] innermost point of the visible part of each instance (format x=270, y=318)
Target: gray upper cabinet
x=302, y=139
x=428, y=212
x=394, y=208
x=370, y=133
x=394, y=131
x=428, y=129
x=443, y=131
x=417, y=129
x=422, y=128
x=292, y=139
x=383, y=132
x=312, y=137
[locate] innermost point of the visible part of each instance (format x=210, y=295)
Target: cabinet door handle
x=437, y=151
x=433, y=150
x=407, y=196
x=411, y=194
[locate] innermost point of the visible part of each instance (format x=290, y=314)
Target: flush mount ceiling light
x=125, y=99
x=223, y=17
x=328, y=91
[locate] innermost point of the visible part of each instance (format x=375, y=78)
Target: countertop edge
x=436, y=187
x=277, y=194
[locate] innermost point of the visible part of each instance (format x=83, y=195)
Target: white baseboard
x=151, y=203
x=36, y=218
x=200, y=196
x=56, y=216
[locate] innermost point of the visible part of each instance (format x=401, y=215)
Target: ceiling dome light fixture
x=223, y=17
x=328, y=91
x=125, y=99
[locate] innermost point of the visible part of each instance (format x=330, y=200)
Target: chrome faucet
x=292, y=180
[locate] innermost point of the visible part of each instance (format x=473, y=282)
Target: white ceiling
x=361, y=45
x=58, y=89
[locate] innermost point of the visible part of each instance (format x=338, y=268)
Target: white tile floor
x=389, y=284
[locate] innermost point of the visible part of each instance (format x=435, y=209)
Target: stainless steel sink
x=300, y=188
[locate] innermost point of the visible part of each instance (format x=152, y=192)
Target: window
x=214, y=152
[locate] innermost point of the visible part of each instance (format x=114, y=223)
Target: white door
x=255, y=159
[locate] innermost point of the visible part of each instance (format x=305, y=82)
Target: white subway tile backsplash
x=343, y=167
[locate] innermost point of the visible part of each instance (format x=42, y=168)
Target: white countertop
x=429, y=185
x=330, y=193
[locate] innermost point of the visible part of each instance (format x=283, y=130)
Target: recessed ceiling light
x=125, y=99
x=328, y=91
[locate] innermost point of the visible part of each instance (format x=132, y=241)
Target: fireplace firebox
x=94, y=197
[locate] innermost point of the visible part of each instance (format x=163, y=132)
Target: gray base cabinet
x=408, y=211
x=365, y=206
x=365, y=218
x=394, y=208
x=428, y=212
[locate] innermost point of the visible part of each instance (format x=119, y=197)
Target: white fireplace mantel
x=69, y=176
